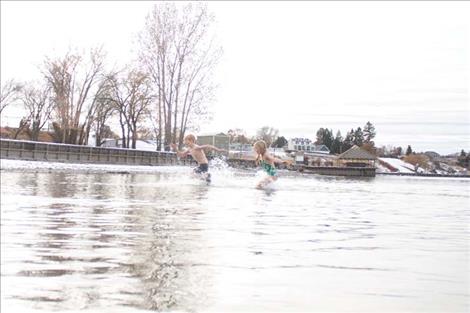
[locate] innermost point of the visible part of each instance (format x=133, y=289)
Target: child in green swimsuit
x=266, y=161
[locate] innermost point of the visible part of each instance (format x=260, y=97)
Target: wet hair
x=190, y=137
x=260, y=147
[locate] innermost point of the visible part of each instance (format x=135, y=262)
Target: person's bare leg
x=266, y=181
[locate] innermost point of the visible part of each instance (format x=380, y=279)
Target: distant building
x=306, y=145
x=299, y=157
x=241, y=147
x=219, y=140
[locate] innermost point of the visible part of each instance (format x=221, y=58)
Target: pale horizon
x=293, y=66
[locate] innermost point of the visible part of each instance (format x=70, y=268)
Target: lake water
x=128, y=241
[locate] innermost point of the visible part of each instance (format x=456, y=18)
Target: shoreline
x=423, y=175
x=103, y=159
x=49, y=166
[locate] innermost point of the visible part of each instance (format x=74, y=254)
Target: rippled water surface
x=96, y=241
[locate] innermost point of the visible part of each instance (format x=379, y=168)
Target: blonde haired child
x=197, y=152
x=266, y=161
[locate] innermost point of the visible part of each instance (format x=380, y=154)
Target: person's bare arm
x=276, y=160
x=180, y=154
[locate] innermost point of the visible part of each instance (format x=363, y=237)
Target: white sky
x=296, y=66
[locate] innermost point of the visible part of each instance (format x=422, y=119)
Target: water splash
x=219, y=163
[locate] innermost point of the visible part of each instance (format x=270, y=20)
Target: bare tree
x=104, y=110
x=24, y=124
x=268, y=134
x=131, y=95
x=155, y=124
x=39, y=105
x=139, y=102
x=97, y=106
x=9, y=93
x=179, y=54
x=74, y=80
x=238, y=135
x=119, y=98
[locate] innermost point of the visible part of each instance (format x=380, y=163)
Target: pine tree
x=280, y=142
x=325, y=137
x=358, y=137
x=408, y=150
x=328, y=138
x=348, y=140
x=337, y=143
x=320, y=136
x=399, y=151
x=369, y=133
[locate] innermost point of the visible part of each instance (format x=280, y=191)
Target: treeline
x=362, y=137
x=163, y=93
x=269, y=134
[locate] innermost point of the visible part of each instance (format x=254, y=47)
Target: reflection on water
x=164, y=241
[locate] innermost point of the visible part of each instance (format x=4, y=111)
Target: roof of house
x=212, y=135
x=301, y=140
x=357, y=153
x=322, y=148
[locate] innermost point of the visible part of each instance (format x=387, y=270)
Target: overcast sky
x=295, y=66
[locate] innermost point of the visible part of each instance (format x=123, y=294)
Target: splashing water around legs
x=225, y=175
x=266, y=181
x=219, y=163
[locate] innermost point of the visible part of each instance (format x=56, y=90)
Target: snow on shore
x=381, y=169
x=401, y=166
x=6, y=164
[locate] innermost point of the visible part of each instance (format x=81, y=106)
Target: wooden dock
x=337, y=170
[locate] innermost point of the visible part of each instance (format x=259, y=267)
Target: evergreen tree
x=408, y=150
x=348, y=141
x=369, y=133
x=325, y=137
x=320, y=135
x=464, y=159
x=399, y=151
x=280, y=142
x=328, y=138
x=358, y=137
x=337, y=143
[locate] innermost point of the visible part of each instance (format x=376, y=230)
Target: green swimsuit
x=271, y=170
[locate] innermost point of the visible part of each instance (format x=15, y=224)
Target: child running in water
x=266, y=161
x=197, y=152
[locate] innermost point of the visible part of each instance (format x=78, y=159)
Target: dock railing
x=45, y=151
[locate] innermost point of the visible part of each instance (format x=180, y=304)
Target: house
x=241, y=147
x=241, y=151
x=306, y=145
x=356, y=157
x=219, y=140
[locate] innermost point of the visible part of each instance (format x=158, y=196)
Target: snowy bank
x=401, y=166
x=6, y=164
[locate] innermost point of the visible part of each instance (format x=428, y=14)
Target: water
x=163, y=241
